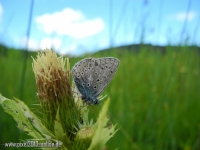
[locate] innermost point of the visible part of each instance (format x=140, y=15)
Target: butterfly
x=92, y=75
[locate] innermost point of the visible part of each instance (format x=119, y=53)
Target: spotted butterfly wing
x=91, y=76
x=106, y=71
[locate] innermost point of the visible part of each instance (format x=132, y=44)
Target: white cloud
x=54, y=43
x=47, y=42
x=70, y=49
x=181, y=16
x=69, y=22
x=32, y=43
x=35, y=45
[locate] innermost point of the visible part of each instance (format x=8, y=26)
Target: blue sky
x=78, y=26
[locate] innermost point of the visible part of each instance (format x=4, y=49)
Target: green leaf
x=102, y=133
x=25, y=118
x=59, y=131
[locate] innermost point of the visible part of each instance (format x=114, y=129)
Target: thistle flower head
x=52, y=79
x=52, y=75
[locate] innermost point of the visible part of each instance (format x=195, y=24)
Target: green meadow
x=155, y=96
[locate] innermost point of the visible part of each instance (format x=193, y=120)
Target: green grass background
x=155, y=97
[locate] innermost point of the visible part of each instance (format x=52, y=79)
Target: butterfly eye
x=97, y=80
x=82, y=73
x=85, y=70
x=106, y=66
x=83, y=84
x=88, y=84
x=95, y=87
x=102, y=68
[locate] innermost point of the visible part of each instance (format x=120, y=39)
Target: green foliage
x=155, y=98
x=102, y=135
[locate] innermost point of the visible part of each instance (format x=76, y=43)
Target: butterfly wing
x=105, y=69
x=92, y=75
x=82, y=73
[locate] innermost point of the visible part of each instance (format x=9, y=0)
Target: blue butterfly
x=91, y=76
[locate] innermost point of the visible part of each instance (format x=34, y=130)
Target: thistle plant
x=65, y=120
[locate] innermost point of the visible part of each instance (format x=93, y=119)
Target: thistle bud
x=52, y=74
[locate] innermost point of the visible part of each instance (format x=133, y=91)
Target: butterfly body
x=91, y=76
